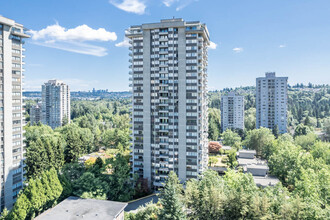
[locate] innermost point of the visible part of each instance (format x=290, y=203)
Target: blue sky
x=81, y=41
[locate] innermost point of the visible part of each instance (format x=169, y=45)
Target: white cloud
x=213, y=45
x=238, y=49
x=180, y=4
x=168, y=3
x=56, y=36
x=124, y=43
x=75, y=47
x=184, y=3
x=79, y=33
x=132, y=6
x=282, y=46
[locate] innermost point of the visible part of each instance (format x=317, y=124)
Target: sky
x=82, y=41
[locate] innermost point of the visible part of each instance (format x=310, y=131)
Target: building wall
x=271, y=102
x=232, y=112
x=35, y=114
x=11, y=110
x=169, y=104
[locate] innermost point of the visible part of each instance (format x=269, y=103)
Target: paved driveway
x=132, y=206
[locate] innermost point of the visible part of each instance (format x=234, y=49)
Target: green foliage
x=114, y=137
x=205, y=198
x=119, y=181
x=301, y=129
x=78, y=141
x=212, y=160
x=40, y=194
x=171, y=199
x=326, y=128
x=250, y=119
x=214, y=124
x=88, y=186
x=232, y=162
x=231, y=138
x=306, y=141
x=259, y=140
x=321, y=150
x=44, y=150
x=148, y=212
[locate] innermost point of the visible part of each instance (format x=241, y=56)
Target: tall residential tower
x=169, y=108
x=232, y=111
x=55, y=103
x=11, y=112
x=272, y=102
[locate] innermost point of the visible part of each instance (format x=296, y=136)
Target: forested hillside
x=309, y=105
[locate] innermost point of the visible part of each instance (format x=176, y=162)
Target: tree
x=259, y=140
x=250, y=119
x=212, y=160
x=148, y=212
x=214, y=123
x=301, y=129
x=321, y=150
x=326, y=128
x=119, y=181
x=171, y=199
x=21, y=208
x=232, y=162
x=40, y=193
x=88, y=186
x=44, y=153
x=306, y=141
x=205, y=198
x=231, y=138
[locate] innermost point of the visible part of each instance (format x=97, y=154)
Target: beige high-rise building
x=12, y=37
x=169, y=108
x=232, y=111
x=55, y=103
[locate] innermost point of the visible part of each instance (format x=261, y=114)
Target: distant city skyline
x=84, y=44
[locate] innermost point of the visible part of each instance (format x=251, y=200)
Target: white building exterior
x=169, y=108
x=272, y=102
x=232, y=111
x=55, y=103
x=11, y=110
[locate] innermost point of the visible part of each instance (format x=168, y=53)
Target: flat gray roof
x=247, y=151
x=75, y=208
x=265, y=181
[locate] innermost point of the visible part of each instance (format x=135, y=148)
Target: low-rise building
x=87, y=209
x=257, y=167
x=249, y=154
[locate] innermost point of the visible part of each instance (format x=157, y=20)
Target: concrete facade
x=36, y=113
x=272, y=102
x=11, y=110
x=55, y=103
x=232, y=111
x=169, y=106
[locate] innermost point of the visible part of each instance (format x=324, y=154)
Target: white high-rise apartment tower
x=11, y=112
x=169, y=107
x=232, y=111
x=272, y=102
x=55, y=103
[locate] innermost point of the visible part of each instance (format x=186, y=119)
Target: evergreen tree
x=171, y=199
